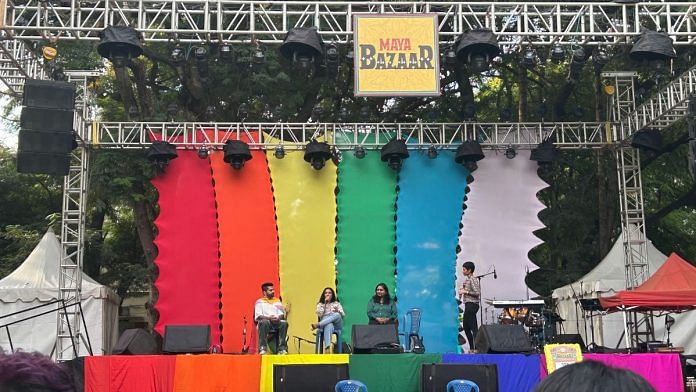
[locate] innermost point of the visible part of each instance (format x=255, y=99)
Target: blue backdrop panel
x=516, y=372
x=429, y=210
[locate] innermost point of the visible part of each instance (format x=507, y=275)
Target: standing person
x=469, y=294
x=330, y=313
x=381, y=309
x=271, y=317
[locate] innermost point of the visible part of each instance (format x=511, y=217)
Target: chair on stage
x=350, y=386
x=319, y=343
x=272, y=339
x=411, y=328
x=462, y=386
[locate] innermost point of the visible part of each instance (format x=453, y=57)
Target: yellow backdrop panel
x=306, y=216
x=312, y=359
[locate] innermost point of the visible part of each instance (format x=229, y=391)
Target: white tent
x=607, y=278
x=35, y=282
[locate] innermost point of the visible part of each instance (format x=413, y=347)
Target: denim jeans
x=328, y=324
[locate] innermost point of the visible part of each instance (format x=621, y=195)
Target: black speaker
x=294, y=378
x=495, y=338
x=570, y=338
x=49, y=94
x=45, y=142
x=136, y=341
x=46, y=120
x=186, y=339
x=434, y=377
x=43, y=163
x=370, y=338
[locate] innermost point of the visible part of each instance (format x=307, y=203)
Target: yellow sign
x=559, y=355
x=396, y=55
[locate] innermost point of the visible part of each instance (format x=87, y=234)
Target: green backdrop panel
x=385, y=372
x=365, y=234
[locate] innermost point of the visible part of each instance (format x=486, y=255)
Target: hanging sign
x=396, y=55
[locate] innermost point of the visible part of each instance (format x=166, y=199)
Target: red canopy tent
x=671, y=288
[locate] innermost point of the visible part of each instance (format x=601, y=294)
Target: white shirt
x=268, y=307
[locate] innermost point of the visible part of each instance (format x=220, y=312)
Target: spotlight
x=359, y=152
x=119, y=44
x=432, y=152
x=468, y=153
x=332, y=59
x=544, y=153
x=557, y=53
x=450, y=57
x=649, y=140
x=160, y=153
x=529, y=58
x=226, y=53
x=258, y=57
x=303, y=46
x=279, y=152
x=316, y=153
x=178, y=55
x=394, y=153
x=243, y=111
x=653, y=48
x=172, y=110
x=201, y=55
x=600, y=58
x=576, y=63
x=510, y=153
x=477, y=48
x=236, y=153
x=203, y=153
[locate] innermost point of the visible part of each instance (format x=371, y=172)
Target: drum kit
x=531, y=314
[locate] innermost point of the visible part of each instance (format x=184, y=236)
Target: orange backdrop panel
x=248, y=243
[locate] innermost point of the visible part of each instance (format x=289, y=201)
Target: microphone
x=495, y=276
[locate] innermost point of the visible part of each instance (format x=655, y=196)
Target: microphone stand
x=479, y=277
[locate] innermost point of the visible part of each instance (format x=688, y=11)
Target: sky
x=8, y=127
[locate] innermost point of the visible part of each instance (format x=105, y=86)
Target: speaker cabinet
x=186, y=339
x=136, y=341
x=367, y=338
x=43, y=163
x=434, y=377
x=495, y=338
x=48, y=94
x=295, y=378
x=46, y=120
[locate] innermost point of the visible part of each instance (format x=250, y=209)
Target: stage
x=380, y=372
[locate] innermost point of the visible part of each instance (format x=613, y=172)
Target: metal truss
x=72, y=243
x=663, y=109
x=515, y=23
x=623, y=100
x=125, y=135
x=18, y=63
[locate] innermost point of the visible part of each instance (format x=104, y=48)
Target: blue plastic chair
x=319, y=342
x=411, y=327
x=350, y=386
x=462, y=386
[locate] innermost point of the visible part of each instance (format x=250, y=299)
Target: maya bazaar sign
x=396, y=55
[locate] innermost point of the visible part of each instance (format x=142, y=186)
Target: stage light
x=303, y=46
x=649, y=140
x=477, y=48
x=160, y=153
x=653, y=48
x=600, y=58
x=529, y=58
x=243, y=111
x=178, y=55
x=343, y=114
x=450, y=57
x=317, y=153
x=394, y=153
x=557, y=53
x=544, y=153
x=510, y=153
x=279, y=152
x=226, y=53
x=365, y=112
x=236, y=153
x=468, y=153
x=258, y=57
x=201, y=55
x=172, y=110
x=432, y=152
x=59, y=74
x=332, y=59
x=119, y=44
x=203, y=153
x=210, y=112
x=576, y=64
x=359, y=152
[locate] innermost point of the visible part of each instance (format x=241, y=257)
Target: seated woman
x=381, y=309
x=330, y=313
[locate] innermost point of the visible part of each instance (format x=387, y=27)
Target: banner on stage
x=396, y=55
x=559, y=355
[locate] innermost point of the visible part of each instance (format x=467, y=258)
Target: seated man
x=270, y=316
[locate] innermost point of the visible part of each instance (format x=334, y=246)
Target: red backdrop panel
x=187, y=243
x=248, y=243
x=126, y=373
